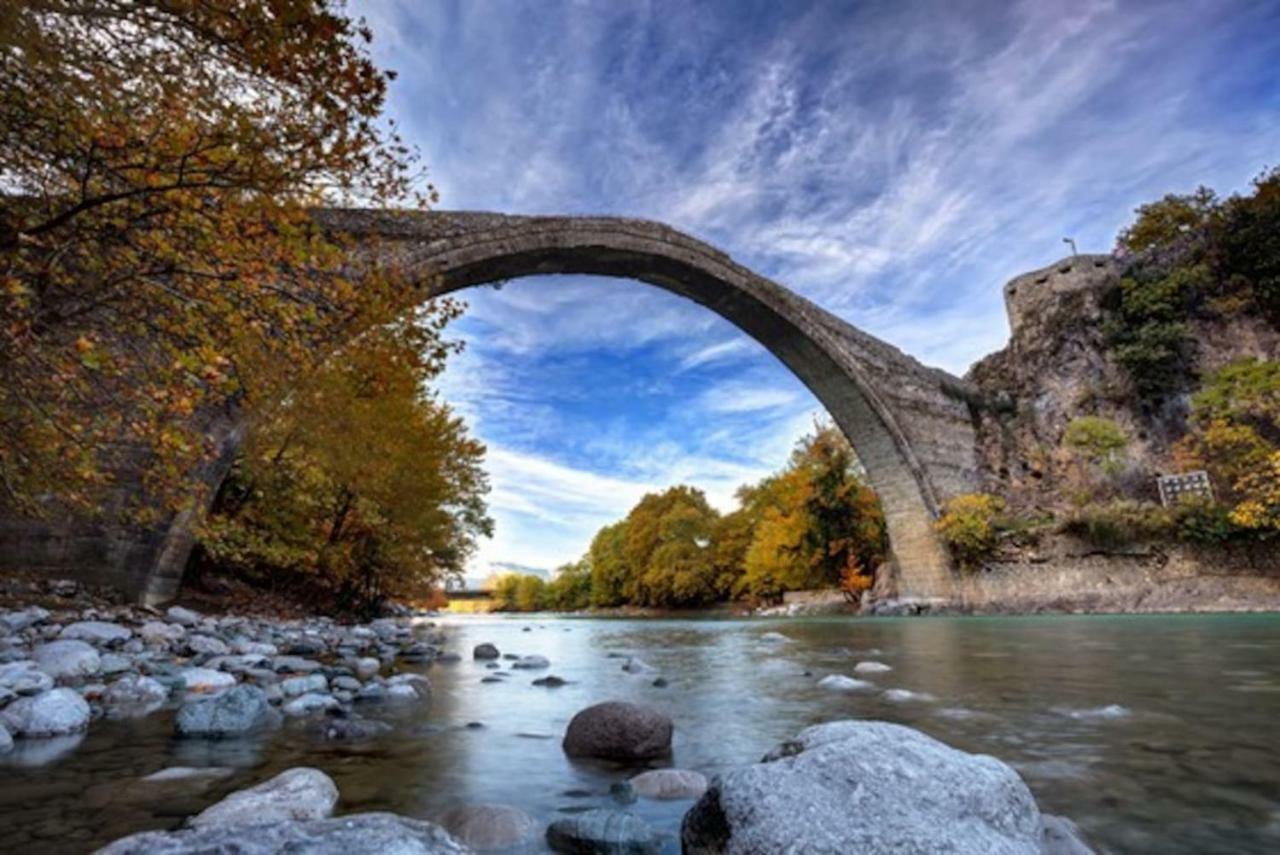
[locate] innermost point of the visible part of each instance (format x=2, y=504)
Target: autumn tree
x=157, y=261
x=818, y=524
x=570, y=588
x=668, y=549
x=609, y=569
x=359, y=479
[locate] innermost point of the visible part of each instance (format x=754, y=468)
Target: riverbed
x=1154, y=733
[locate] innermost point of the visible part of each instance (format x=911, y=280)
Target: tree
x=360, y=479
x=609, y=570
x=1100, y=442
x=668, y=549
x=817, y=524
x=570, y=588
x=969, y=525
x=1236, y=436
x=157, y=261
x=1171, y=220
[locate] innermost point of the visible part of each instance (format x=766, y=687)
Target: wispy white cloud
x=895, y=162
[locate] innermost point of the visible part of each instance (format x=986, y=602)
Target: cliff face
x=1058, y=367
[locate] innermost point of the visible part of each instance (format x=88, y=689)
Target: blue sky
x=895, y=161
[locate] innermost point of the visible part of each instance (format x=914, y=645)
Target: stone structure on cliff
x=912, y=426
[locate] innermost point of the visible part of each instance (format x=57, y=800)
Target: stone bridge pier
x=910, y=425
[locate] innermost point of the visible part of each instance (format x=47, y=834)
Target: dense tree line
x=157, y=259
x=159, y=268
x=814, y=524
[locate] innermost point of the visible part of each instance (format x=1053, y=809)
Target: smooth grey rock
x=356, y=834
x=616, y=730
x=604, y=831
x=159, y=633
x=349, y=728
x=207, y=645
x=17, y=621
x=206, y=679
x=183, y=617
x=238, y=710
x=532, y=662
x=295, y=794
x=309, y=703
x=841, y=683
x=367, y=667
x=188, y=773
x=24, y=677
x=295, y=686
x=56, y=712
x=867, y=787
x=114, y=663
x=135, y=695
x=636, y=665
x=246, y=647
x=901, y=696
x=347, y=684
x=294, y=664
x=68, y=658
x=96, y=632
x=670, y=784
x=489, y=826
x=871, y=668
x=551, y=681
x=485, y=651
x=1063, y=837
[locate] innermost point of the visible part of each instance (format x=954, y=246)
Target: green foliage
x=814, y=524
x=970, y=526
x=1235, y=435
x=609, y=571
x=668, y=549
x=1192, y=256
x=1101, y=442
x=1172, y=220
x=1111, y=525
x=570, y=589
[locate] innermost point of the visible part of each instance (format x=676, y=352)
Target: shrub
x=1101, y=442
x=969, y=527
x=1115, y=524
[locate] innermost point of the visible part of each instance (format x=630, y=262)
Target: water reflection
x=1154, y=733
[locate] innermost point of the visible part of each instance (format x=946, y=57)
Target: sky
x=896, y=162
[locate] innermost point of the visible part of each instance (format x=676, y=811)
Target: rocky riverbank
x=230, y=677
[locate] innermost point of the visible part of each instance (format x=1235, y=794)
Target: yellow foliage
x=968, y=525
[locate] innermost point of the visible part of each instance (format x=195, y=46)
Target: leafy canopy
x=156, y=258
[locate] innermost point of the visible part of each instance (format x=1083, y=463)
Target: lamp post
x=1072, y=244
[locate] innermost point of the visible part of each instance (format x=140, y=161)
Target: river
x=1154, y=733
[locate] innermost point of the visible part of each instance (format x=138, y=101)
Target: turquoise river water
x=1154, y=733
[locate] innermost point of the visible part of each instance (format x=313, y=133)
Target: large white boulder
x=53, y=713
x=69, y=658
x=300, y=793
x=868, y=787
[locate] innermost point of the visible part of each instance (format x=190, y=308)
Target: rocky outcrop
x=616, y=730
x=867, y=787
x=1058, y=367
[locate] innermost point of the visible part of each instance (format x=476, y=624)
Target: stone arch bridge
x=911, y=425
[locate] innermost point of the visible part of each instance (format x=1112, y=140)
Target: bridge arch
x=909, y=424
